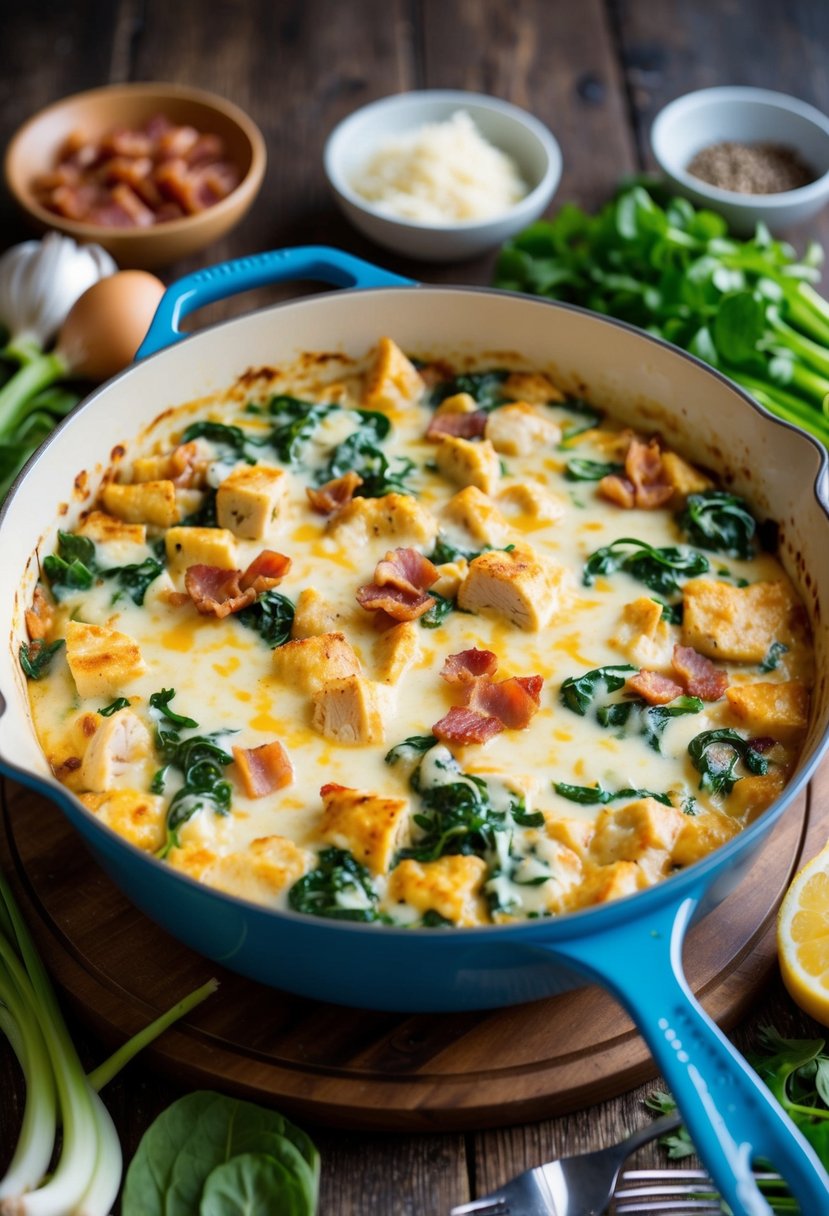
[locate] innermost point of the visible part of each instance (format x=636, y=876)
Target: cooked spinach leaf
x=161, y=702
x=577, y=692
x=774, y=654
x=656, y=717
x=134, y=579
x=339, y=888
x=594, y=795
x=484, y=387
x=433, y=920
x=617, y=715
x=457, y=816
x=359, y=454
x=271, y=616
x=591, y=470
x=672, y=613
x=36, y=657
x=410, y=748
x=719, y=521
x=437, y=614
x=204, y=515
x=525, y=818
x=445, y=552
x=658, y=569
x=233, y=438
x=586, y=418
x=119, y=703
x=73, y=567
x=715, y=755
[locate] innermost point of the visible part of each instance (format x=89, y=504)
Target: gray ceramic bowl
x=744, y=115
x=526, y=140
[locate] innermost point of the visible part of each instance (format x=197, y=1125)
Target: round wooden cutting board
x=383, y=1071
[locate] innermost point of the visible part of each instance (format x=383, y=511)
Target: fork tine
x=482, y=1207
x=701, y=1207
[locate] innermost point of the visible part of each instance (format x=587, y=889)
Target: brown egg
x=107, y=324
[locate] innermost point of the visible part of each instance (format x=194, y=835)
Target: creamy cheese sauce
x=555, y=853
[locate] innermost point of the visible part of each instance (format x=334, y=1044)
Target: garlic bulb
x=39, y=283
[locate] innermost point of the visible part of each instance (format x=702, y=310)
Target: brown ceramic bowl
x=33, y=150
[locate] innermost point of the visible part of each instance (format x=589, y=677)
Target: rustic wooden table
x=596, y=72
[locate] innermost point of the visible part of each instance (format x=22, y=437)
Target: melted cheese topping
x=539, y=852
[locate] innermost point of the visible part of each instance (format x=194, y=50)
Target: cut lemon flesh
x=803, y=938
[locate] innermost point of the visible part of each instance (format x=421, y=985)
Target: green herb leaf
x=594, y=795
x=719, y=521
x=437, y=614
x=161, y=702
x=774, y=654
x=715, y=755
x=233, y=438
x=339, y=888
x=591, y=470
x=656, y=717
x=577, y=692
x=271, y=616
x=410, y=748
x=119, y=703
x=136, y=578
x=73, y=567
x=36, y=657
x=659, y=569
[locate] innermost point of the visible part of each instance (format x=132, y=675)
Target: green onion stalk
x=85, y=1177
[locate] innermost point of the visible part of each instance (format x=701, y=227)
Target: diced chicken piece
x=192, y=859
x=261, y=872
x=248, y=501
x=451, y=886
x=392, y=381
x=314, y=614
x=469, y=464
x=737, y=623
x=459, y=403
x=308, y=663
x=684, y=478
x=450, y=577
x=397, y=517
x=523, y=588
x=264, y=769
x=602, y=884
x=531, y=500
x=368, y=825
x=348, y=710
x=475, y=511
x=149, y=502
x=642, y=635
x=778, y=710
x=644, y=831
x=102, y=529
x=520, y=429
x=575, y=834
x=395, y=651
x=702, y=833
x=120, y=743
x=754, y=794
x=101, y=660
x=200, y=547
x=185, y=465
x=534, y=387
x=140, y=818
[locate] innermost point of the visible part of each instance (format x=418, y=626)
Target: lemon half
x=803, y=938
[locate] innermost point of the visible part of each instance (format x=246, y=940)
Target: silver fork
x=675, y=1190
x=573, y=1186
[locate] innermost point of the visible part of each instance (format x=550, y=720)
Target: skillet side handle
x=730, y=1114
x=319, y=263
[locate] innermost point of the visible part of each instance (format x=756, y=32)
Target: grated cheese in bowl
x=443, y=172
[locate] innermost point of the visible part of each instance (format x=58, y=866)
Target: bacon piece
x=140, y=214
x=334, y=494
x=406, y=569
x=644, y=483
x=265, y=571
x=401, y=582
x=217, y=592
x=40, y=617
x=462, y=426
x=654, y=688
x=468, y=666
x=400, y=604
x=699, y=675
x=263, y=769
x=186, y=470
x=332, y=787
x=513, y=702
x=462, y=725
x=618, y=489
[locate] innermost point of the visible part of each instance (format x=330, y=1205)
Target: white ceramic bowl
x=515, y=132
x=744, y=115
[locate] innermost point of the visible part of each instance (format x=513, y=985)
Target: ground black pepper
x=761, y=168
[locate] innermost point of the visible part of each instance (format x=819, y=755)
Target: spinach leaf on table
x=252, y=1184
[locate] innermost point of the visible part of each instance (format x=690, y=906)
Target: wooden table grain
x=596, y=72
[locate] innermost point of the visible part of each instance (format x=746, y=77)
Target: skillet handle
x=730, y=1114
x=318, y=263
